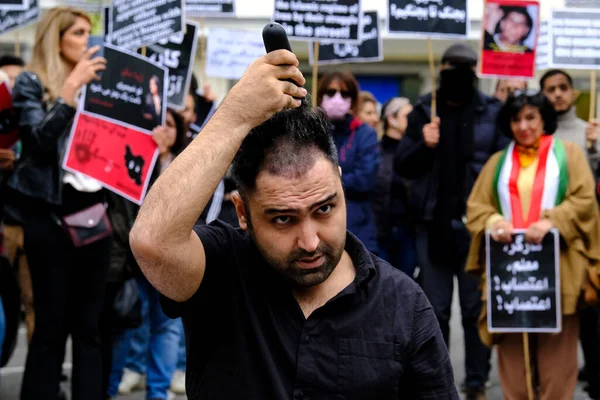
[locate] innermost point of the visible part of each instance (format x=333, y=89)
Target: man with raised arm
x=290, y=305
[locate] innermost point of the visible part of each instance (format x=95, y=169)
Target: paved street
x=11, y=376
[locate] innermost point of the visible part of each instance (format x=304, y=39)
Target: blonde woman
x=67, y=277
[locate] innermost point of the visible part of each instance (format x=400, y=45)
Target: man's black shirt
x=247, y=337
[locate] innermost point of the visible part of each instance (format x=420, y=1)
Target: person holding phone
x=68, y=280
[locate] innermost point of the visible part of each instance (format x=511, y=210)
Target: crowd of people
x=247, y=189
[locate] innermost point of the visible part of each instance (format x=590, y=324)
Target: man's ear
x=340, y=168
x=240, y=210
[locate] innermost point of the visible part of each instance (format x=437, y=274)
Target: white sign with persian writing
x=230, y=52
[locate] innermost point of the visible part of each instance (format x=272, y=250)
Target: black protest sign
x=131, y=91
x=370, y=50
x=574, y=39
x=320, y=20
x=523, y=285
x=144, y=22
x=177, y=54
x=428, y=18
x=11, y=5
x=10, y=20
x=210, y=8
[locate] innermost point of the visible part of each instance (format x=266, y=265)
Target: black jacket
x=390, y=194
x=44, y=131
x=421, y=164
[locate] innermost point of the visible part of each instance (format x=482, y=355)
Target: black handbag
x=127, y=306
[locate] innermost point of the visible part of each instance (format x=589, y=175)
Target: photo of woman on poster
x=509, y=29
x=153, y=108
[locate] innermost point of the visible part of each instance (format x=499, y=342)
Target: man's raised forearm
x=179, y=196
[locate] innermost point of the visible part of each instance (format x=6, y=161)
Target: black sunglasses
x=332, y=92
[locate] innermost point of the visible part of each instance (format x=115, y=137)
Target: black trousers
x=437, y=281
x=68, y=291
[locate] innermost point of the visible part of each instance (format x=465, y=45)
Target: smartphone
x=96, y=41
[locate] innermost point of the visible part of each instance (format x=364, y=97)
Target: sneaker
x=463, y=386
x=178, y=382
x=475, y=394
x=131, y=381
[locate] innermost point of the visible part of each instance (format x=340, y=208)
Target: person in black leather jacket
x=68, y=281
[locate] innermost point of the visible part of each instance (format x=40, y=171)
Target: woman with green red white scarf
x=537, y=184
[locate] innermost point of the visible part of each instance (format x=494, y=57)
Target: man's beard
x=300, y=277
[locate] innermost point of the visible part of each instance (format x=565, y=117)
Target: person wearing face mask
x=358, y=151
x=443, y=158
x=395, y=235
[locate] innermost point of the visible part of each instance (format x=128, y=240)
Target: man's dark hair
x=515, y=103
x=11, y=60
x=554, y=72
x=519, y=10
x=288, y=144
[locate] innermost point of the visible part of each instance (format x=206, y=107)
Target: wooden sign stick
x=593, y=97
x=144, y=52
x=315, y=73
x=528, y=375
x=433, y=80
x=17, y=44
x=202, y=52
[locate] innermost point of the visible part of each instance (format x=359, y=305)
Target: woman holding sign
x=66, y=234
x=538, y=184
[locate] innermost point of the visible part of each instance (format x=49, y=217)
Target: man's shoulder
x=396, y=283
x=491, y=104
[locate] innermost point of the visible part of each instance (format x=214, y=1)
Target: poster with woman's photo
x=132, y=91
x=509, y=38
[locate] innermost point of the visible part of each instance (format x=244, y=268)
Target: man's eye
x=282, y=220
x=325, y=209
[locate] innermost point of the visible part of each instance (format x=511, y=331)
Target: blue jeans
x=399, y=249
x=161, y=353
x=2, y=326
x=181, y=362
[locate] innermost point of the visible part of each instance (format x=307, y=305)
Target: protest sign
x=210, y=8
x=428, y=18
x=370, y=50
x=542, y=55
x=230, y=52
x=523, y=285
x=510, y=33
x=574, y=39
x=10, y=20
x=144, y=22
x=177, y=54
x=120, y=158
x=320, y=20
x=131, y=91
x=14, y=5
x=9, y=134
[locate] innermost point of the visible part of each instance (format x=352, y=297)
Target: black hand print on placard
x=134, y=166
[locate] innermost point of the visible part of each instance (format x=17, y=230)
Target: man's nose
x=308, y=238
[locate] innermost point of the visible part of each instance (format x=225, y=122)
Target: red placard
x=509, y=39
x=120, y=158
x=9, y=135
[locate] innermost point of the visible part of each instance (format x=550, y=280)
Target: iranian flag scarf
x=549, y=186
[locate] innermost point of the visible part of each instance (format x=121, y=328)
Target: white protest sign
x=230, y=52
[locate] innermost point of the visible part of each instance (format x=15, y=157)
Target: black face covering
x=458, y=84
